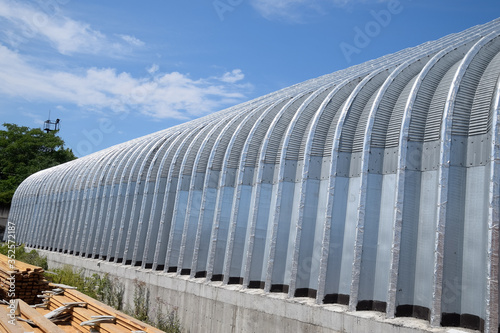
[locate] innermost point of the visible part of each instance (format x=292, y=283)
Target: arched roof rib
x=235, y=252
x=172, y=161
x=375, y=187
x=120, y=202
x=198, y=168
x=492, y=244
x=466, y=76
x=107, y=219
x=94, y=203
x=245, y=176
x=151, y=188
x=181, y=208
x=422, y=84
x=138, y=180
x=110, y=187
x=149, y=215
x=128, y=223
x=240, y=203
x=59, y=204
x=368, y=267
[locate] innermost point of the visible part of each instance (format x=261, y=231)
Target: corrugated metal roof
x=351, y=188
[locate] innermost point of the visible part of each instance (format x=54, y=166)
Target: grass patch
x=101, y=288
x=32, y=257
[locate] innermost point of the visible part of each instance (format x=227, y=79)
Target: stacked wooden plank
x=86, y=310
x=122, y=322
x=21, y=280
x=8, y=324
x=32, y=288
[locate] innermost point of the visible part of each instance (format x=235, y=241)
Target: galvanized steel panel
x=375, y=186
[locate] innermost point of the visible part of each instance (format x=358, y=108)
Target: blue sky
x=118, y=69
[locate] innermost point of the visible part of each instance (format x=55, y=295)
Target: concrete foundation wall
x=213, y=307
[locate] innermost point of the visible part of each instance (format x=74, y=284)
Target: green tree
x=24, y=151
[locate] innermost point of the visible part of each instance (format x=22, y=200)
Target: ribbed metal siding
x=468, y=88
x=323, y=135
x=263, y=126
x=298, y=136
x=390, y=113
x=224, y=142
x=354, y=125
x=233, y=160
x=480, y=118
x=276, y=137
x=422, y=106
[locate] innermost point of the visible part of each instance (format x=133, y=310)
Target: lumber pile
x=10, y=325
x=93, y=309
x=67, y=310
x=21, y=281
x=36, y=306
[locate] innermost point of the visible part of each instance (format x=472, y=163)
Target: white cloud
x=132, y=40
x=282, y=9
x=28, y=22
x=34, y=117
x=156, y=94
x=153, y=69
x=343, y=3
x=70, y=37
x=234, y=76
x=297, y=10
x=164, y=95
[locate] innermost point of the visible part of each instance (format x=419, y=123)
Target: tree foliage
x=24, y=151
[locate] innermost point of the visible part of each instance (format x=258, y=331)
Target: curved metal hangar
x=376, y=186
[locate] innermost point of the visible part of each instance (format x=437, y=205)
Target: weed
x=111, y=292
x=141, y=301
x=168, y=322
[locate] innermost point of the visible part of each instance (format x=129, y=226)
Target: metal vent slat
x=359, y=132
x=224, y=142
x=260, y=132
x=233, y=160
x=354, y=125
x=393, y=102
x=436, y=108
x=170, y=155
x=326, y=121
x=480, y=119
x=468, y=87
x=298, y=136
x=276, y=138
x=331, y=131
x=151, y=155
x=427, y=91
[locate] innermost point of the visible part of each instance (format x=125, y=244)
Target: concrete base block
x=204, y=306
